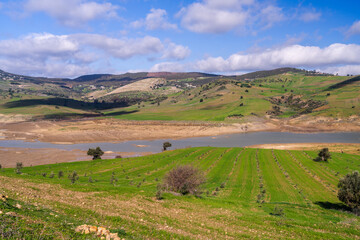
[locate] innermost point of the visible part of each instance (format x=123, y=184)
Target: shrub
x=51, y=175
x=166, y=145
x=278, y=212
x=0, y=166
x=323, y=155
x=19, y=166
x=73, y=177
x=60, y=174
x=184, y=179
x=95, y=152
x=90, y=180
x=349, y=190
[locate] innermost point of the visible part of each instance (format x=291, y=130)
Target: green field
x=243, y=188
x=222, y=99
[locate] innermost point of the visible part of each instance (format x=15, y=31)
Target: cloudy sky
x=69, y=38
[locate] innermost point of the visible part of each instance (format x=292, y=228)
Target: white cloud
x=177, y=52
x=219, y=16
x=121, y=48
x=310, y=16
x=39, y=45
x=271, y=15
x=157, y=19
x=72, y=55
x=354, y=29
x=342, y=70
x=294, y=55
x=168, y=67
x=72, y=13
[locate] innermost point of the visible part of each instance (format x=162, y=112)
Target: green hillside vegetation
x=289, y=93
x=249, y=193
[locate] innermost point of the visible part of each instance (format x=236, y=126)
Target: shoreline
x=114, y=130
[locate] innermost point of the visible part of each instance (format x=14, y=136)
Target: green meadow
x=249, y=193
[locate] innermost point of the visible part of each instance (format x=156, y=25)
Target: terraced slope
x=243, y=187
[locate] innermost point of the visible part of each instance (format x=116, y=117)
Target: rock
x=102, y=231
x=12, y=214
x=1, y=212
x=18, y=206
x=93, y=229
x=83, y=229
x=3, y=198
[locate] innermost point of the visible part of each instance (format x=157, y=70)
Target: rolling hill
x=279, y=93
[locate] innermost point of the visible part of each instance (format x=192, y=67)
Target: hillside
x=284, y=93
x=243, y=188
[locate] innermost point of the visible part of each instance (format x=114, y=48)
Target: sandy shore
x=113, y=130
x=350, y=148
x=33, y=157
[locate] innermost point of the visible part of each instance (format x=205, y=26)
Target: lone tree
x=166, y=145
x=349, y=190
x=95, y=152
x=323, y=155
x=184, y=179
x=19, y=166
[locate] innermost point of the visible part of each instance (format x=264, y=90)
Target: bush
x=166, y=145
x=278, y=212
x=184, y=179
x=323, y=155
x=95, y=152
x=349, y=190
x=73, y=177
x=60, y=174
x=19, y=166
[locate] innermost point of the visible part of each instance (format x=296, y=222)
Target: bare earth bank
x=113, y=130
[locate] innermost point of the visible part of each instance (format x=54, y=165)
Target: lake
x=231, y=140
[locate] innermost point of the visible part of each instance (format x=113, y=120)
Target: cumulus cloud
x=121, y=48
x=294, y=55
x=342, y=70
x=156, y=19
x=219, y=16
x=72, y=13
x=354, y=29
x=71, y=55
x=177, y=52
x=168, y=67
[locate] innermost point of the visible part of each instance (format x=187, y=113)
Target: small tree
x=19, y=166
x=349, y=190
x=95, y=152
x=184, y=179
x=323, y=155
x=73, y=177
x=166, y=145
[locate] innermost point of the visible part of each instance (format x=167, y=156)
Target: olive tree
x=349, y=190
x=95, y=152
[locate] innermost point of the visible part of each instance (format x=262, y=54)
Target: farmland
x=243, y=188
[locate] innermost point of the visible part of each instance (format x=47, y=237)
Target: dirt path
x=113, y=130
x=32, y=157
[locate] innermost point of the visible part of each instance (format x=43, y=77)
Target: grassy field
x=225, y=99
x=243, y=188
x=218, y=103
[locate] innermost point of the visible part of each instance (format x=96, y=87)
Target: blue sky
x=69, y=38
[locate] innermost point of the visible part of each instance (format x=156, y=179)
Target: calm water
x=233, y=140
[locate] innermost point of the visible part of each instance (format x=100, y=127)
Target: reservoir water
x=231, y=140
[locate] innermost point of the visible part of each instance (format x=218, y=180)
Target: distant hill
x=268, y=73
